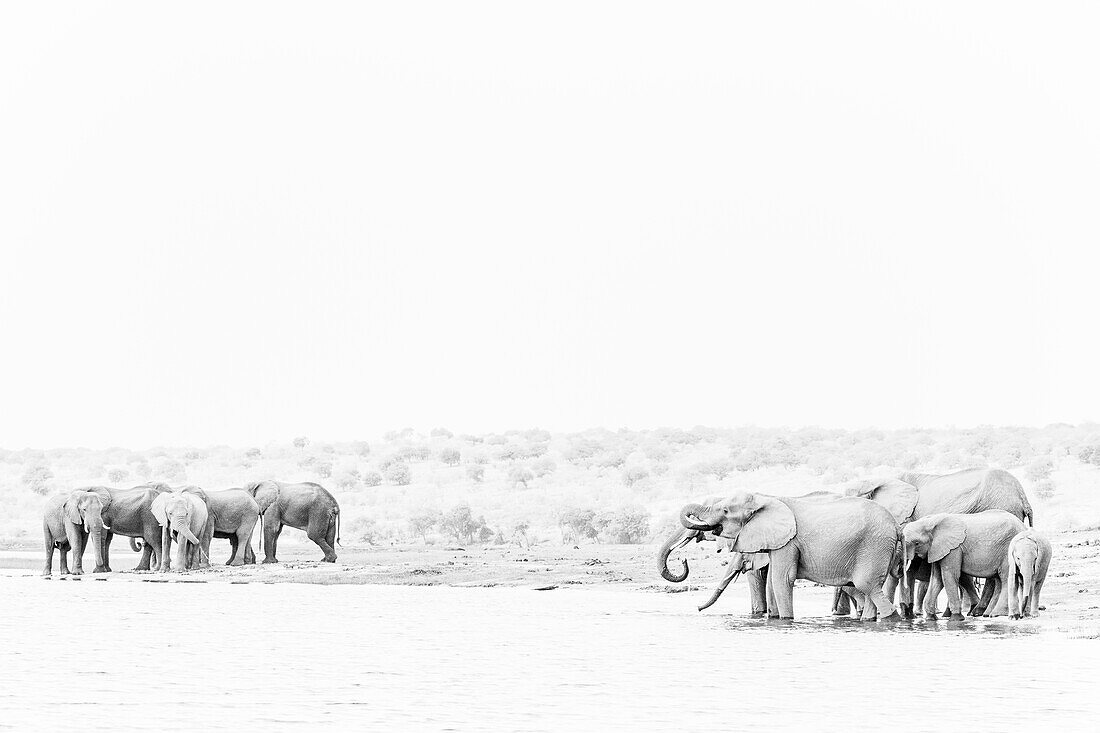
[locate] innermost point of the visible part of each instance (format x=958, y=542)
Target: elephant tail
x=337, y=512
x=261, y=543
x=136, y=544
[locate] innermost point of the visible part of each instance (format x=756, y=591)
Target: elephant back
x=973, y=491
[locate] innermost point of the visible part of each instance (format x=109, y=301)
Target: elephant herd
x=153, y=515
x=878, y=544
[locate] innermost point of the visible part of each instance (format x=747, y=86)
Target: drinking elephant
x=233, y=516
x=68, y=521
x=756, y=574
x=826, y=539
x=954, y=544
x=305, y=506
x=1029, y=559
x=182, y=516
x=916, y=495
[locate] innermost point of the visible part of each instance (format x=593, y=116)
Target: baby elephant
x=1029, y=555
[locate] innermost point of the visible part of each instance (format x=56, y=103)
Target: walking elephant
x=305, y=506
x=756, y=570
x=1029, y=559
x=182, y=516
x=67, y=523
x=916, y=495
x=954, y=544
x=128, y=512
x=233, y=516
x=831, y=540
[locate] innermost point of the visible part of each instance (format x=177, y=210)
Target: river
x=125, y=653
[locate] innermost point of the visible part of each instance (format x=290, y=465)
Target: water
x=122, y=653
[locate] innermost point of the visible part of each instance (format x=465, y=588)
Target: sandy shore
x=1071, y=594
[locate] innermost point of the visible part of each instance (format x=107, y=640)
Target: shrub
x=459, y=522
x=442, y=433
x=117, y=475
x=372, y=478
x=171, y=470
x=544, y=466
x=365, y=529
x=301, y=442
x=323, y=469
x=475, y=472
x=450, y=456
x=37, y=478
x=398, y=474
x=347, y=479
x=1040, y=468
x=577, y=524
x=360, y=448
x=1044, y=489
x=423, y=522
x=633, y=474
x=627, y=526
x=520, y=475
x=253, y=453
x=143, y=470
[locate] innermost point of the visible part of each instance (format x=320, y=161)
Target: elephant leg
x=1033, y=603
x=165, y=551
x=64, y=560
x=758, y=593
x=49, y=552
x=249, y=554
x=1013, y=592
x=932, y=592
x=999, y=607
x=318, y=531
x=272, y=528
x=106, y=548
x=769, y=586
x=841, y=602
x=950, y=570
x=234, y=544
x=77, y=540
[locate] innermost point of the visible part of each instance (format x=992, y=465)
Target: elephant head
x=899, y=497
x=177, y=510
x=264, y=492
x=753, y=523
x=85, y=509
x=931, y=537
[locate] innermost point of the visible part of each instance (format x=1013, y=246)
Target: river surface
x=122, y=653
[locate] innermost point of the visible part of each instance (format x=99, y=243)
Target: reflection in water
x=228, y=657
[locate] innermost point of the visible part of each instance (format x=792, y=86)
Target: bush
x=633, y=474
x=143, y=470
x=1040, y=469
x=37, y=478
x=253, y=453
x=442, y=433
x=323, y=469
x=1044, y=489
x=365, y=529
x=171, y=470
x=117, y=475
x=476, y=472
x=627, y=526
x=520, y=475
x=372, y=478
x=577, y=524
x=398, y=474
x=347, y=479
x=459, y=522
x=301, y=442
x=544, y=466
x=423, y=522
x=360, y=448
x=450, y=456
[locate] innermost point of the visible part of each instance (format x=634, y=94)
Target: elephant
x=974, y=544
x=128, y=512
x=233, y=515
x=827, y=539
x=305, y=506
x=1029, y=559
x=182, y=514
x=916, y=495
x=68, y=521
x=757, y=573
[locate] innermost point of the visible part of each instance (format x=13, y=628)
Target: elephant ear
x=72, y=508
x=770, y=527
x=264, y=492
x=159, y=510
x=948, y=534
x=899, y=498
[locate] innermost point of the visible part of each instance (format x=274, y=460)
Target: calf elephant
x=830, y=540
x=1029, y=559
x=182, y=515
x=68, y=521
x=305, y=506
x=954, y=544
x=233, y=516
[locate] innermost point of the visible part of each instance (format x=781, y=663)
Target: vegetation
x=532, y=486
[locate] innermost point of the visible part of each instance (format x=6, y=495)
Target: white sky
x=241, y=222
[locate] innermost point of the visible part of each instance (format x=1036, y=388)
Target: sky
x=240, y=223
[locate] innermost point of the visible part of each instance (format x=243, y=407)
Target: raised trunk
x=675, y=541
x=690, y=517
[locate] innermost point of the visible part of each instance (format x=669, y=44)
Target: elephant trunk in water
x=93, y=525
x=736, y=565
x=675, y=541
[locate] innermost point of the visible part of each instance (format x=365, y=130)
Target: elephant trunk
x=186, y=532
x=675, y=541
x=1027, y=573
x=689, y=517
x=93, y=525
x=730, y=577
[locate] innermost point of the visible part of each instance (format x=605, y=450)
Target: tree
x=348, y=479
x=459, y=522
x=117, y=475
x=520, y=475
x=171, y=470
x=450, y=456
x=475, y=472
x=544, y=466
x=520, y=530
x=398, y=474
x=634, y=474
x=577, y=524
x=422, y=522
x=143, y=470
x=37, y=477
x=253, y=453
x=360, y=448
x=323, y=469
x=301, y=442
x=1040, y=469
x=718, y=469
x=442, y=433
x=627, y=526
x=1044, y=489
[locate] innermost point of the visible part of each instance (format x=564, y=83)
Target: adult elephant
x=129, y=512
x=830, y=540
x=917, y=495
x=233, y=516
x=67, y=523
x=182, y=516
x=305, y=506
x=756, y=572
